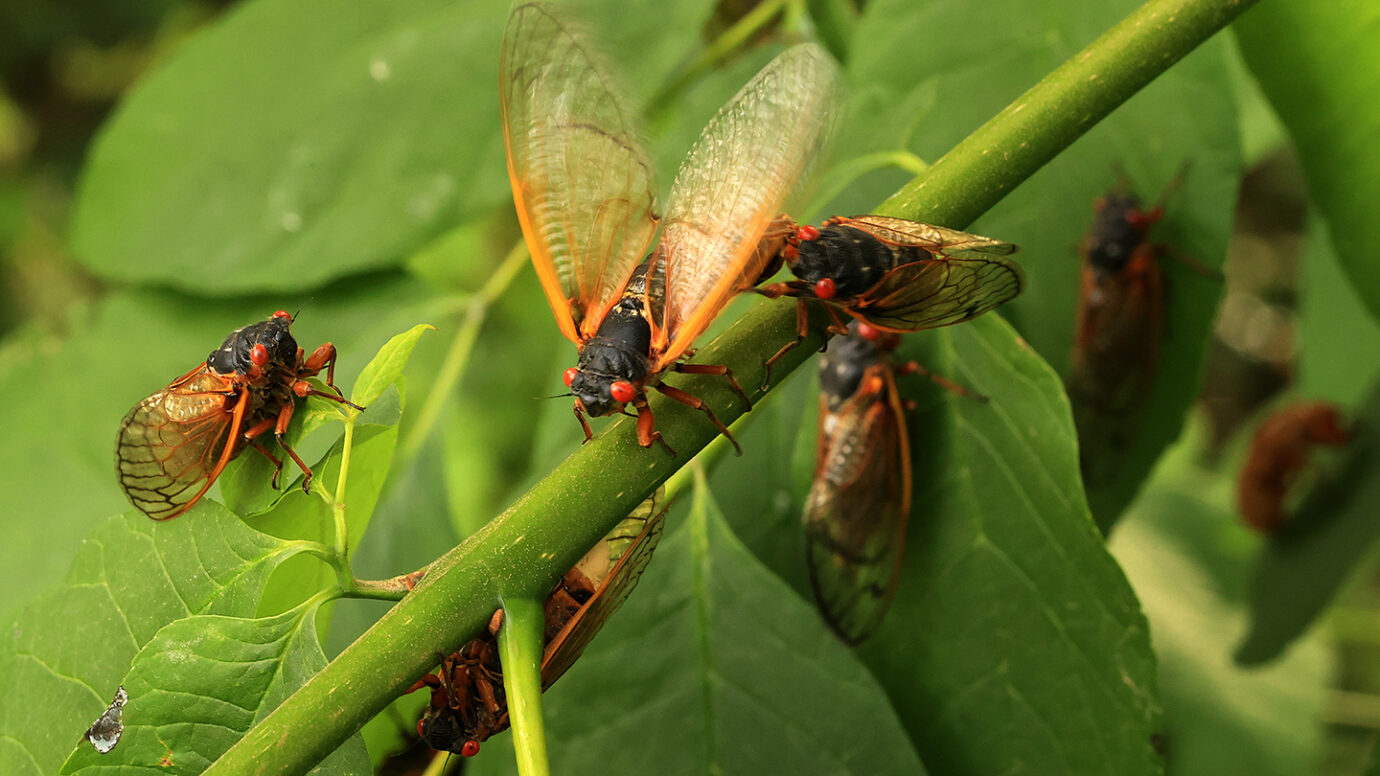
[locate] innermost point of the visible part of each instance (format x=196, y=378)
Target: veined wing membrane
x=733, y=183
x=937, y=292
x=174, y=444
x=856, y=513
x=634, y=546
x=581, y=180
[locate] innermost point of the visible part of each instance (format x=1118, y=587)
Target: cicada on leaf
x=586, y=200
x=1279, y=453
x=856, y=513
x=468, y=703
x=1119, y=326
x=173, y=445
x=895, y=275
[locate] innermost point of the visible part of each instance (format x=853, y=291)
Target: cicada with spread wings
x=586, y=199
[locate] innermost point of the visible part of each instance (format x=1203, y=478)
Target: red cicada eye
x=867, y=332
x=421, y=728
x=283, y=314
x=622, y=391
x=570, y=376
x=807, y=233
x=825, y=288
x=259, y=355
x=469, y=748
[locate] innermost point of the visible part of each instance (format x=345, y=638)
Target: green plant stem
x=1009, y=148
x=519, y=650
x=458, y=357
x=523, y=551
x=727, y=42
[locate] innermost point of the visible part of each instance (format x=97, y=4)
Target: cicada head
x=613, y=364
x=256, y=345
x=442, y=729
x=1118, y=227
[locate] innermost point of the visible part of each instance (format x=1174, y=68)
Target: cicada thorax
x=856, y=512
x=616, y=362
x=173, y=445
x=1119, y=327
x=893, y=274
x=1278, y=455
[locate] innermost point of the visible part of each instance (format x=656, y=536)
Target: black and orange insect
x=855, y=516
x=1119, y=325
x=173, y=445
x=584, y=192
x=468, y=702
x=1279, y=453
x=894, y=274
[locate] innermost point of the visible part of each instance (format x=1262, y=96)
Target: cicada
x=468, y=703
x=855, y=516
x=585, y=197
x=1279, y=453
x=894, y=274
x=173, y=445
x=1118, y=327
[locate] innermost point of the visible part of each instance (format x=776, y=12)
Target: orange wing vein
x=582, y=184
x=733, y=184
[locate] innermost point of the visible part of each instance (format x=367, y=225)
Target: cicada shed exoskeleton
x=585, y=197
x=468, y=702
x=173, y=445
x=894, y=274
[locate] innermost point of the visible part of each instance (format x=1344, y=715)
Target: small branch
x=523, y=551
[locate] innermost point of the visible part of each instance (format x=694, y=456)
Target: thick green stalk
x=523, y=551
x=519, y=649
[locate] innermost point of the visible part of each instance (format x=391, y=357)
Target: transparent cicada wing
x=614, y=566
x=581, y=180
x=855, y=515
x=174, y=444
x=954, y=277
x=732, y=186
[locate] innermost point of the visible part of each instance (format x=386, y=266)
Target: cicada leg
x=321, y=358
x=253, y=434
x=646, y=424
x=802, y=330
x=694, y=403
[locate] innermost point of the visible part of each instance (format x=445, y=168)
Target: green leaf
x=925, y=98
x=1188, y=556
x=1318, y=64
x=72, y=646
x=387, y=365
x=204, y=680
x=1328, y=537
x=714, y=666
x=353, y=136
x=1333, y=327
x=301, y=515
x=1014, y=641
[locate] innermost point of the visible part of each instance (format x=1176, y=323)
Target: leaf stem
x=520, y=652
x=523, y=551
x=458, y=356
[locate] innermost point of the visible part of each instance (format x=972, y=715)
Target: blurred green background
x=170, y=171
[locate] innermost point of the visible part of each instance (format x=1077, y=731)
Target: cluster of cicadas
x=585, y=197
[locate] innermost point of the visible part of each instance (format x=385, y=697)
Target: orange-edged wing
x=614, y=566
x=731, y=187
x=856, y=513
x=581, y=181
x=174, y=444
x=964, y=276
